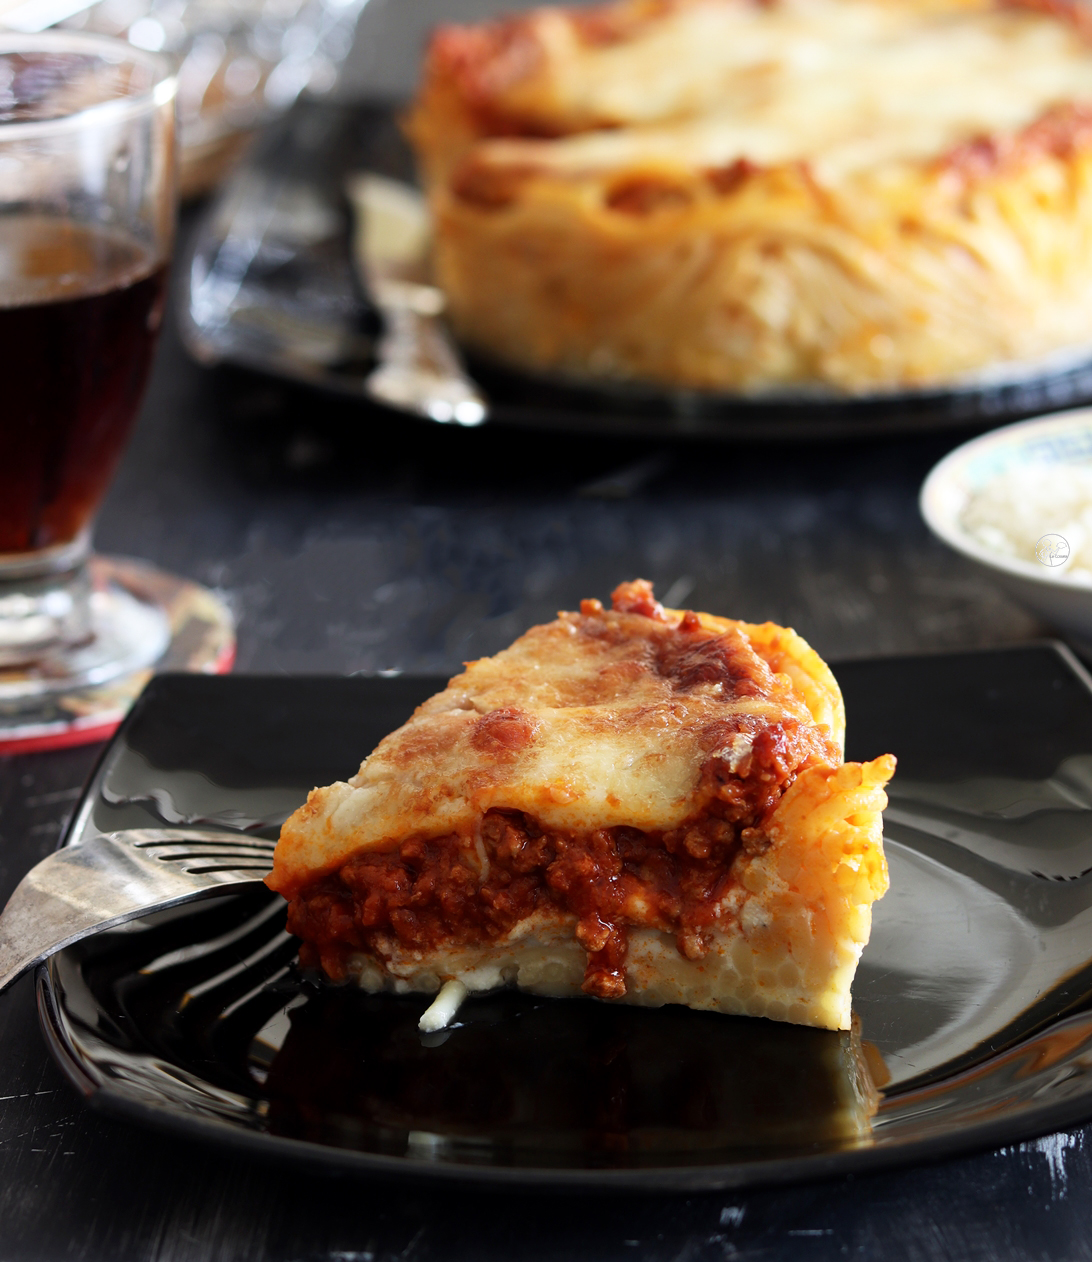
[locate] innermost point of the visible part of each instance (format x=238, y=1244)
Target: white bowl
x=1065, y=438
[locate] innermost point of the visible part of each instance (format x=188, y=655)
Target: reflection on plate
x=270, y=286
x=974, y=995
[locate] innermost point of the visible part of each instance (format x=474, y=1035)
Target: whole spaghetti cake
x=639, y=804
x=763, y=196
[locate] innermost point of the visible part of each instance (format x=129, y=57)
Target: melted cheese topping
x=593, y=721
x=844, y=84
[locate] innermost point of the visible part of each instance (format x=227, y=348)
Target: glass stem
x=45, y=602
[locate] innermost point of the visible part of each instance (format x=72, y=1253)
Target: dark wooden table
x=351, y=541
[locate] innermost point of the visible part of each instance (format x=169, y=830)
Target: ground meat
x=635, y=596
x=429, y=894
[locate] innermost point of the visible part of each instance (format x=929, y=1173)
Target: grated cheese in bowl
x=1017, y=503
x=1012, y=512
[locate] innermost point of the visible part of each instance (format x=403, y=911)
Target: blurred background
x=350, y=538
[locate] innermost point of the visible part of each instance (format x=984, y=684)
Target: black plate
x=270, y=286
x=976, y=988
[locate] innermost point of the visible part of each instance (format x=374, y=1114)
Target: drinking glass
x=87, y=206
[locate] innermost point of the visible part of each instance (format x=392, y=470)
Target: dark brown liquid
x=80, y=309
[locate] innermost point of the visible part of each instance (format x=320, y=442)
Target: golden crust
x=758, y=225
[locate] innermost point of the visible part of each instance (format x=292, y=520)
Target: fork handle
x=81, y=889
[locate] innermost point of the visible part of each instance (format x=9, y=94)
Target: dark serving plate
x=976, y=988
x=270, y=286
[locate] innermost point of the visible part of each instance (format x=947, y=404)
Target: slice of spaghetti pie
x=637, y=803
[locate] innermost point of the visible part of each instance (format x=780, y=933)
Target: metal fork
x=114, y=877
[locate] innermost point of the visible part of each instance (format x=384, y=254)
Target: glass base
x=142, y=621
x=45, y=602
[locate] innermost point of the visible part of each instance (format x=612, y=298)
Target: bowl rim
x=934, y=500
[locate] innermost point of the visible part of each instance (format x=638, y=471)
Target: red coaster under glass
x=145, y=621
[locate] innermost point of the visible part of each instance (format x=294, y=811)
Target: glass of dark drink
x=87, y=207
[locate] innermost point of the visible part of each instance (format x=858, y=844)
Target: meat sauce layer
x=449, y=892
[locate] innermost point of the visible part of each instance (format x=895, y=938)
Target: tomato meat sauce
x=455, y=891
